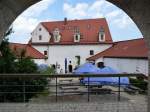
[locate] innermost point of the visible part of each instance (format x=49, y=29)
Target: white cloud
x=113, y=14
x=28, y=20
x=96, y=6
x=123, y=21
x=38, y=8
x=98, y=9
x=25, y=23
x=76, y=12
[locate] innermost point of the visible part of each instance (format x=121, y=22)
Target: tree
x=7, y=59
x=9, y=63
x=26, y=65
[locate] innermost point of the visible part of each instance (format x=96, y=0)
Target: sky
x=120, y=24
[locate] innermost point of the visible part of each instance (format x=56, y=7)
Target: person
x=70, y=67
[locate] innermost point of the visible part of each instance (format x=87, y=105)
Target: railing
x=25, y=90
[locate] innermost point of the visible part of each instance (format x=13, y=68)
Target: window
x=78, y=60
x=40, y=37
x=101, y=37
x=91, y=52
x=100, y=65
x=45, y=52
x=101, y=34
x=40, y=29
x=56, y=34
x=77, y=38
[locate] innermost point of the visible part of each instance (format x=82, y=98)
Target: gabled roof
x=29, y=51
x=135, y=48
x=89, y=30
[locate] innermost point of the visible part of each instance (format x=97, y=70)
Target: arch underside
x=138, y=10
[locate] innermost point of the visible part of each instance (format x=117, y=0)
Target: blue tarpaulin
x=86, y=68
x=89, y=68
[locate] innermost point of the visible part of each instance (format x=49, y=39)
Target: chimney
x=65, y=21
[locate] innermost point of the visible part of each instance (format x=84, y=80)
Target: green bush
x=48, y=70
x=14, y=89
x=140, y=83
x=11, y=89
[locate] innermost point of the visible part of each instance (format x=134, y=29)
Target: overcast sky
x=121, y=26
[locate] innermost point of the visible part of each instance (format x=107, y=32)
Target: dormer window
x=77, y=38
x=76, y=34
x=101, y=35
x=56, y=35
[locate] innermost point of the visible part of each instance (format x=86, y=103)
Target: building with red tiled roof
x=135, y=48
x=126, y=56
x=29, y=51
x=88, y=31
x=71, y=40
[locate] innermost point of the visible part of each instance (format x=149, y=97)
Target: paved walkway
x=75, y=107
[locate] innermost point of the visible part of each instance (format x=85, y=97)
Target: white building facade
x=70, y=53
x=127, y=65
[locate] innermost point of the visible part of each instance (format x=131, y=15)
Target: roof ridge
x=70, y=20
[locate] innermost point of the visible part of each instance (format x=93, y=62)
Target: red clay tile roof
x=89, y=30
x=30, y=51
x=135, y=48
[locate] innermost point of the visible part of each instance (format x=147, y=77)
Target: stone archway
x=138, y=10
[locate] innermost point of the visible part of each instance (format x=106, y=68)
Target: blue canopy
x=86, y=68
x=89, y=68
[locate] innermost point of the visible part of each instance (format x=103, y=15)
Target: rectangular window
x=40, y=37
x=45, y=52
x=91, y=52
x=102, y=37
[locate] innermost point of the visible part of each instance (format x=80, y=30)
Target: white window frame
x=75, y=38
x=56, y=35
x=100, y=37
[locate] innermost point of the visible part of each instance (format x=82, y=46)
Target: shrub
x=11, y=89
x=140, y=83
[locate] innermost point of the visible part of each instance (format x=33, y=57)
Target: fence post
x=88, y=90
x=119, y=89
x=24, y=91
x=4, y=83
x=56, y=88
